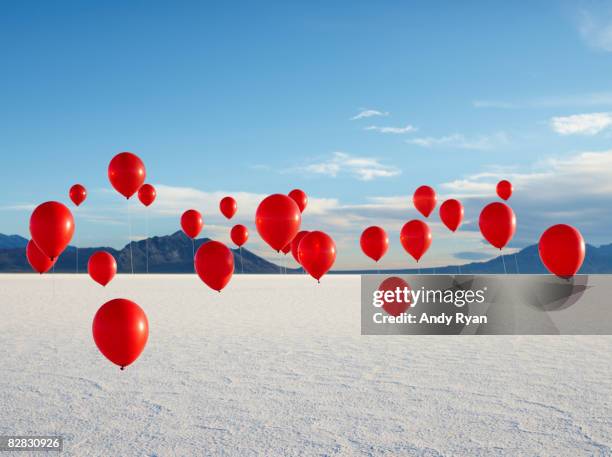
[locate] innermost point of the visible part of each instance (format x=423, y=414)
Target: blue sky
x=255, y=98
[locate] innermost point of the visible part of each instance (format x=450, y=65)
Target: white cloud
x=596, y=29
x=368, y=113
x=581, y=124
x=397, y=130
x=460, y=141
x=362, y=168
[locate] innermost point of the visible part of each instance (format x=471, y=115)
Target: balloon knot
x=122, y=368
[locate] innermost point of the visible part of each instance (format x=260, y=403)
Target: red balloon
x=451, y=213
x=424, y=200
x=300, y=197
x=228, y=207
x=239, y=234
x=37, y=260
x=286, y=249
x=392, y=305
x=214, y=264
x=317, y=253
x=504, y=189
x=562, y=250
x=102, y=267
x=415, y=237
x=51, y=227
x=77, y=194
x=192, y=223
x=374, y=242
x=497, y=224
x=126, y=173
x=278, y=220
x=147, y=194
x=295, y=244
x=120, y=330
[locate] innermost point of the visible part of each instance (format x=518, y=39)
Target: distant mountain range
x=173, y=254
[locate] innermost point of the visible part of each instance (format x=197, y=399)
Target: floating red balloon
x=120, y=330
x=424, y=200
x=239, y=234
x=192, y=223
x=147, y=194
x=415, y=237
x=278, y=220
x=228, y=207
x=374, y=242
x=214, y=264
x=77, y=194
x=102, y=267
x=317, y=253
x=126, y=173
x=51, y=227
x=37, y=260
x=451, y=213
x=300, y=197
x=504, y=189
x=497, y=224
x=562, y=250
x=286, y=249
x=295, y=244
x=394, y=304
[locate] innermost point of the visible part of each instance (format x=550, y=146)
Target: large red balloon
x=192, y=223
x=317, y=253
x=451, y=213
x=424, y=200
x=147, y=194
x=497, y=224
x=77, y=194
x=374, y=242
x=214, y=264
x=295, y=244
x=120, y=330
x=102, y=267
x=126, y=173
x=228, y=207
x=278, y=220
x=415, y=237
x=37, y=260
x=300, y=197
x=239, y=234
x=51, y=227
x=504, y=189
x=562, y=250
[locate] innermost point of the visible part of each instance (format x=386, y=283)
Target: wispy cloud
x=555, y=101
x=460, y=141
x=596, y=29
x=362, y=168
x=581, y=124
x=397, y=130
x=365, y=113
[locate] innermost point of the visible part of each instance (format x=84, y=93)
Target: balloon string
x=241, y=262
x=516, y=263
x=130, y=235
x=504, y=263
x=280, y=261
x=147, y=236
x=193, y=252
x=76, y=211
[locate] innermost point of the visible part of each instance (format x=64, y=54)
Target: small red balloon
x=278, y=220
x=37, y=260
x=102, y=267
x=562, y=250
x=120, y=330
x=239, y=234
x=317, y=253
x=497, y=224
x=77, y=194
x=451, y=213
x=374, y=242
x=214, y=263
x=300, y=197
x=415, y=237
x=295, y=244
x=126, y=173
x=228, y=207
x=424, y=200
x=192, y=223
x=394, y=304
x=504, y=189
x=51, y=227
x=147, y=194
